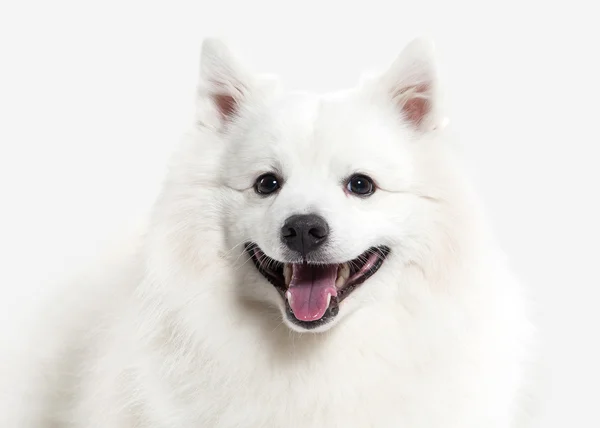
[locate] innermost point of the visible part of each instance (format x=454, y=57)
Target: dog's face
x=326, y=193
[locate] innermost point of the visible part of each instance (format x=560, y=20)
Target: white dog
x=312, y=262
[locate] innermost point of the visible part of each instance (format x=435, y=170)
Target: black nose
x=304, y=233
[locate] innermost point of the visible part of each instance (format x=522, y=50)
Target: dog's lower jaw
x=326, y=322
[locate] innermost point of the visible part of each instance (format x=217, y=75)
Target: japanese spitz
x=312, y=261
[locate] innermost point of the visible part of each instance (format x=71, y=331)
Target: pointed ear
x=411, y=84
x=223, y=85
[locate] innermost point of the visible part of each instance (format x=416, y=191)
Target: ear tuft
x=414, y=102
x=412, y=84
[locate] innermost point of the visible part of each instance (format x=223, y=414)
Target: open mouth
x=312, y=292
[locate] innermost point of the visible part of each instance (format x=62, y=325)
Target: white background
x=94, y=94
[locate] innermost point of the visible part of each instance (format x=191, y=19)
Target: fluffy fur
x=182, y=331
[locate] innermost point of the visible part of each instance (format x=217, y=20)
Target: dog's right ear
x=412, y=85
x=223, y=85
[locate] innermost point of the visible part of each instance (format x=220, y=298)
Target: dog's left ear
x=224, y=85
x=412, y=85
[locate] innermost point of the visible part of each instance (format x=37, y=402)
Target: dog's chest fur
x=373, y=371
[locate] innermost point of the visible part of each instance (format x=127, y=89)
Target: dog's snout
x=304, y=233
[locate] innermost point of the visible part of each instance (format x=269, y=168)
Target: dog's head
x=327, y=197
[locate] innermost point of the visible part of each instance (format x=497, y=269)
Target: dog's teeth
x=343, y=275
x=345, y=271
x=328, y=299
x=287, y=273
x=288, y=296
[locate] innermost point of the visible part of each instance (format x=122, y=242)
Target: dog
x=311, y=261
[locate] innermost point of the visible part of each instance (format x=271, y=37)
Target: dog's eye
x=266, y=184
x=360, y=185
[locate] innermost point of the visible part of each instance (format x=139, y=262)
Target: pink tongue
x=309, y=290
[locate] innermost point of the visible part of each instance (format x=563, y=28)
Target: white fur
x=184, y=332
